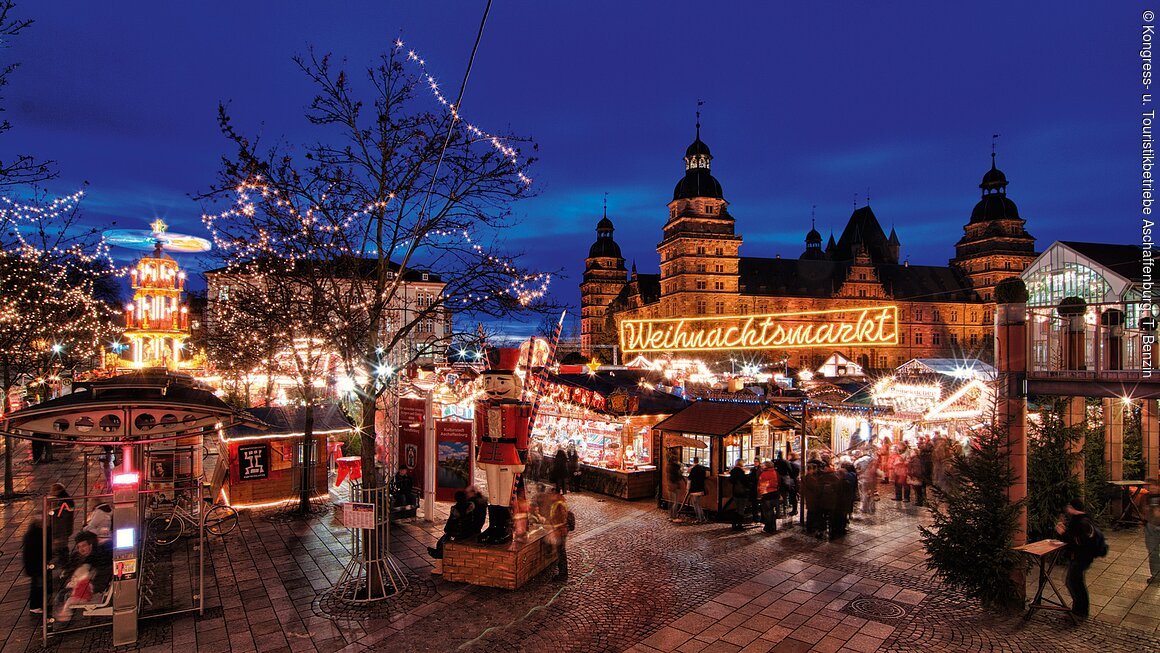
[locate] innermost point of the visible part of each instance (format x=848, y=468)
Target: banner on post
x=412, y=419
x=455, y=466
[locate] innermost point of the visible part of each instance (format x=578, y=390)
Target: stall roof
x=292, y=419
x=652, y=402
x=720, y=417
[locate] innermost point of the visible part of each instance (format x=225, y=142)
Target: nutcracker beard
x=500, y=485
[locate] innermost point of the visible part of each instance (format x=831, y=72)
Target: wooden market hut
x=262, y=468
x=726, y=431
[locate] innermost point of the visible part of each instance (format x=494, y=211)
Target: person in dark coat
x=1077, y=533
x=811, y=495
x=843, y=503
x=63, y=519
x=697, y=476
x=574, y=468
x=33, y=555
x=795, y=479
x=739, y=485
x=829, y=491
x=459, y=524
x=852, y=483
x=781, y=466
x=479, y=513
x=560, y=471
x=754, y=503
x=914, y=478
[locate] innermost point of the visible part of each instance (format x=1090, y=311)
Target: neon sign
x=858, y=327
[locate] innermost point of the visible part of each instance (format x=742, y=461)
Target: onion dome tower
x=157, y=320
x=813, y=245
x=604, y=279
x=699, y=249
x=995, y=245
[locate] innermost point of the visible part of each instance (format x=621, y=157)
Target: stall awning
x=721, y=418
x=282, y=420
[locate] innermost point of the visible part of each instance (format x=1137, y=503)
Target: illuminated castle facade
x=157, y=320
x=943, y=311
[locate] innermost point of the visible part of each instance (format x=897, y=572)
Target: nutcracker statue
x=502, y=422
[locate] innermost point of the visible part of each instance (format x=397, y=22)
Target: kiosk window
x=742, y=448
x=689, y=453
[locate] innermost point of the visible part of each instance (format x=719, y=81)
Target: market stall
x=259, y=468
x=934, y=397
x=726, y=431
x=607, y=418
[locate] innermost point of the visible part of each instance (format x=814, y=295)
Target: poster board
x=454, y=464
x=412, y=421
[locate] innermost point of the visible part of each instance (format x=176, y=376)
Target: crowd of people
x=82, y=562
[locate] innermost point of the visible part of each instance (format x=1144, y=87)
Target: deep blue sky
x=807, y=104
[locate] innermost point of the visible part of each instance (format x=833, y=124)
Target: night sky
x=804, y=105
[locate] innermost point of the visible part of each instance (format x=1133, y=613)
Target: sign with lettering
x=412, y=425
x=358, y=515
x=253, y=461
x=454, y=465
x=848, y=327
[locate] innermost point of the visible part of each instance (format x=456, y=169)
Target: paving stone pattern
x=637, y=582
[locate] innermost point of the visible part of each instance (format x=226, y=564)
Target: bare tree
x=20, y=169
x=400, y=192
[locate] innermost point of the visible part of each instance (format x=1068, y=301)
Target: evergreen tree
x=1052, y=455
x=969, y=545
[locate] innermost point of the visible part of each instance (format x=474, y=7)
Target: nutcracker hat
x=507, y=360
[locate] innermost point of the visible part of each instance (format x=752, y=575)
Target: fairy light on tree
x=59, y=299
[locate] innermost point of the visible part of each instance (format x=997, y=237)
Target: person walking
x=1152, y=532
x=914, y=478
x=811, y=495
x=560, y=471
x=63, y=519
x=794, y=482
x=754, y=494
x=574, y=468
x=739, y=485
x=677, y=485
x=898, y=469
x=1078, y=533
x=559, y=521
x=767, y=489
x=829, y=499
x=697, y=476
x=33, y=556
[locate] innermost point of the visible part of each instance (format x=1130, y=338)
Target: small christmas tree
x=1052, y=457
x=969, y=545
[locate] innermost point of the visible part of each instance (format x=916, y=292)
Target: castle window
x=934, y=315
x=1006, y=265
x=743, y=309
x=672, y=213
x=918, y=338
x=700, y=267
x=719, y=285
x=918, y=315
x=862, y=276
x=701, y=307
x=719, y=267
x=902, y=338
x=861, y=292
x=974, y=316
x=974, y=339
x=954, y=316
x=700, y=284
x=709, y=210
x=719, y=308
x=935, y=338
x=987, y=315
x=720, y=252
x=700, y=249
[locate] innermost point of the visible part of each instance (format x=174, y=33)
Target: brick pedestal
x=508, y=566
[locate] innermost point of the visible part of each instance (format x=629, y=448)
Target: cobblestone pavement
x=638, y=582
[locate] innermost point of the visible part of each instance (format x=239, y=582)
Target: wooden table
x=1046, y=553
x=1130, y=491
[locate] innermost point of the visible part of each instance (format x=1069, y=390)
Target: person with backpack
x=1084, y=543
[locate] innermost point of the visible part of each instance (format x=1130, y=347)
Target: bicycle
x=219, y=519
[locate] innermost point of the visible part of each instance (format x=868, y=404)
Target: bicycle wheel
x=221, y=519
x=166, y=529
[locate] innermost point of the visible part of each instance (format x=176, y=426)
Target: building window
x=719, y=285
x=987, y=315
x=974, y=316
x=954, y=316
x=426, y=276
x=719, y=308
x=720, y=267
x=934, y=315
x=700, y=267
x=672, y=213
x=936, y=338
x=902, y=338
x=917, y=315
x=709, y=210
x=720, y=252
x=954, y=338
x=1006, y=265
x=688, y=453
x=861, y=276
x=701, y=307
x=701, y=284
x=918, y=338
x=861, y=292
x=743, y=450
x=700, y=249
x=974, y=339
x=743, y=309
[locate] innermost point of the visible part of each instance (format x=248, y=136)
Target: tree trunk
x=307, y=440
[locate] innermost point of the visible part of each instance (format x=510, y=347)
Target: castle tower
x=699, y=251
x=604, y=278
x=813, y=245
x=157, y=320
x=994, y=246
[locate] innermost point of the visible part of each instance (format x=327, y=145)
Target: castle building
x=942, y=311
x=157, y=320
